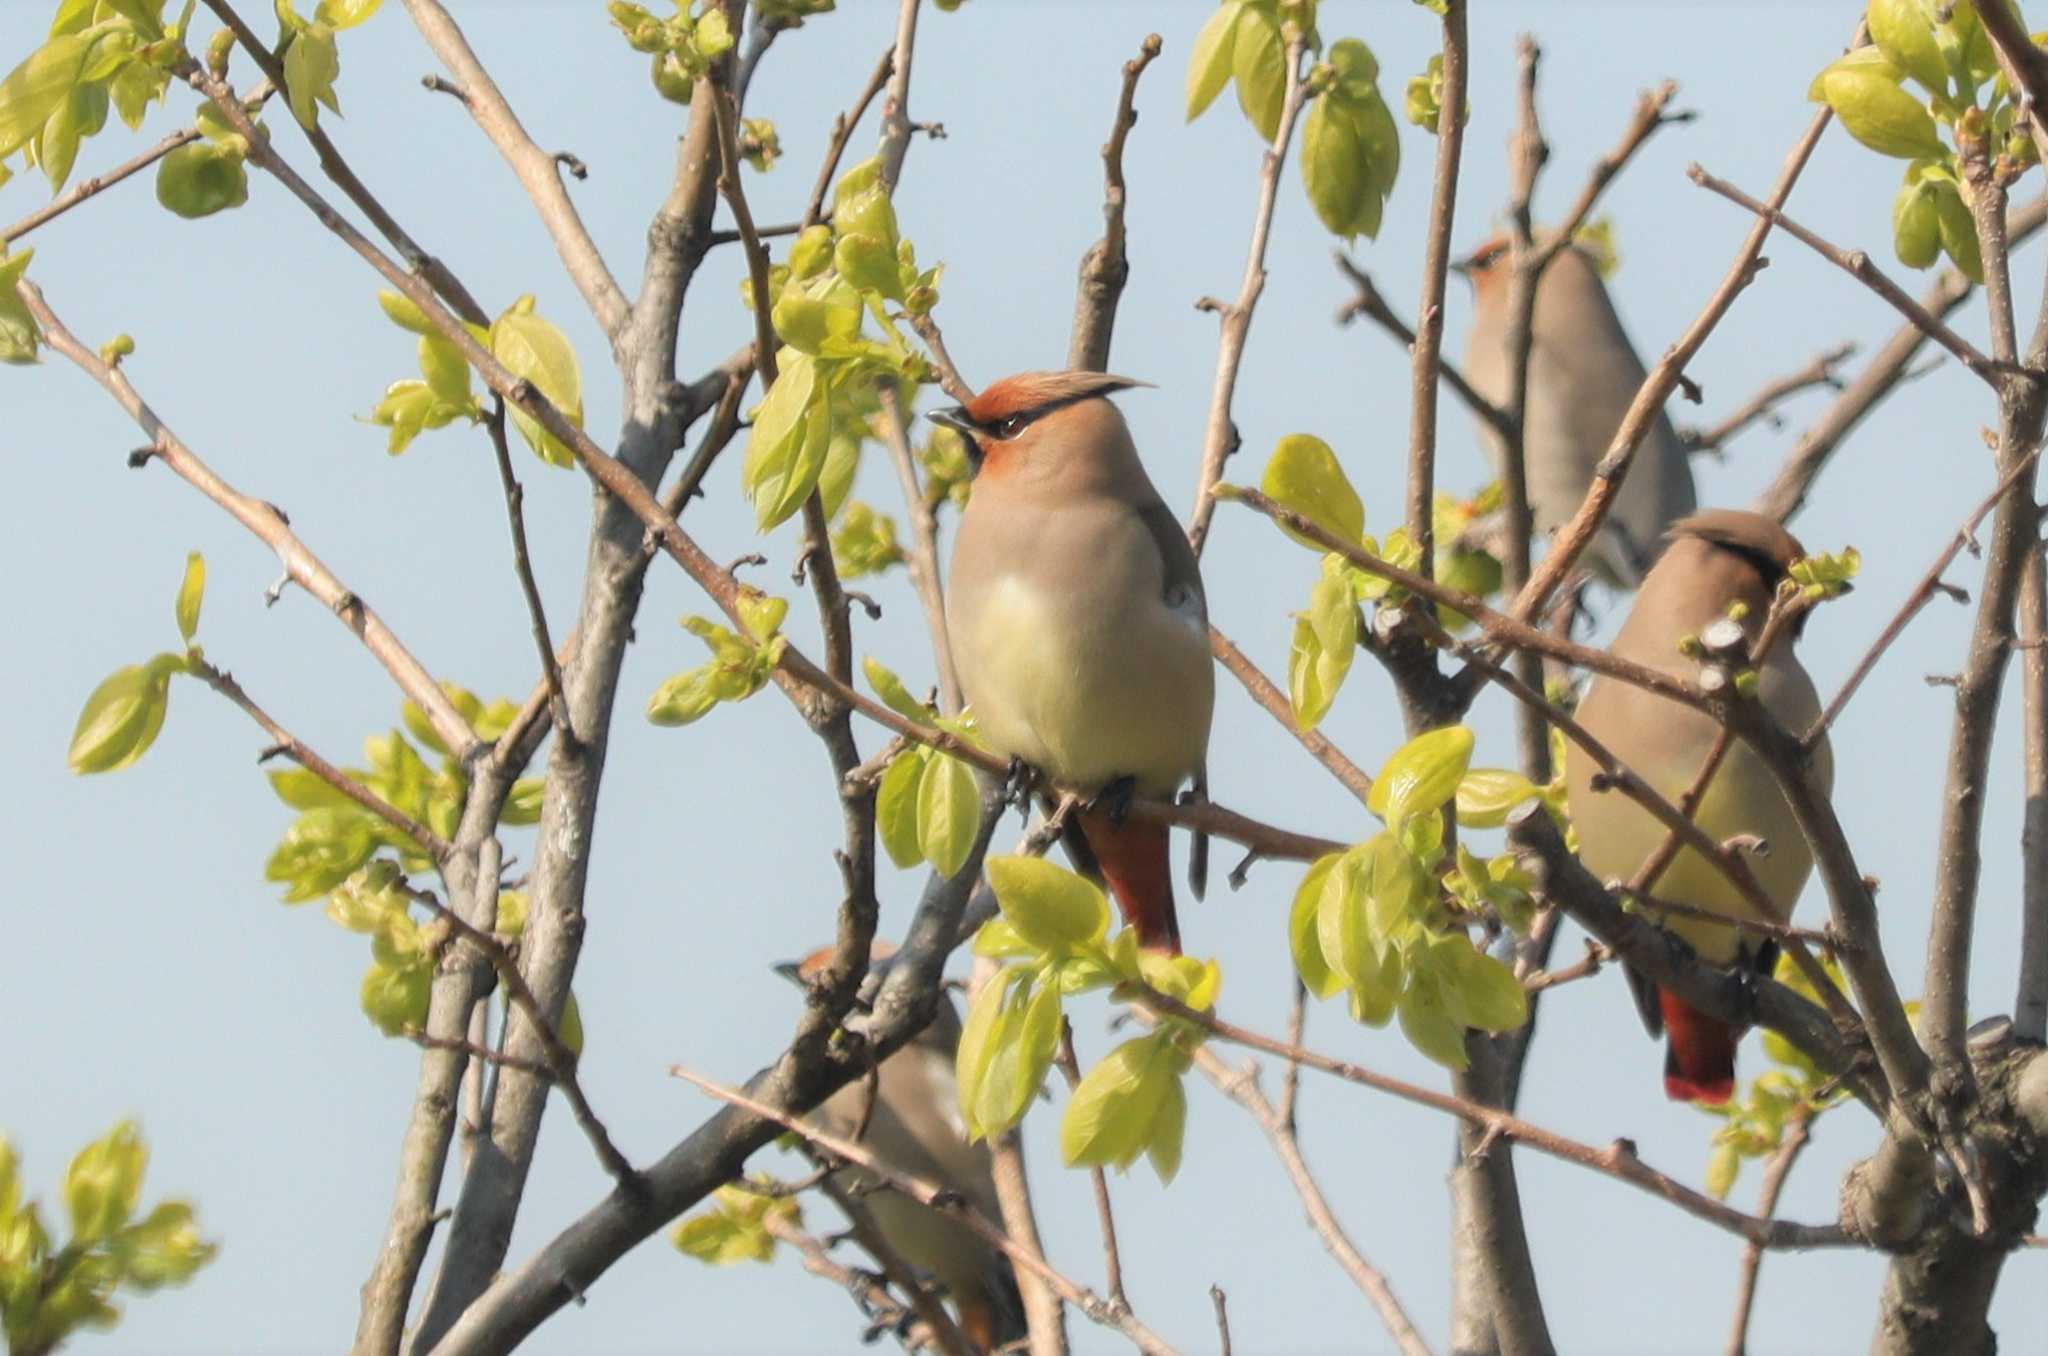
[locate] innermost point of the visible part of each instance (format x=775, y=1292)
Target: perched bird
x=913, y=1123
x=1079, y=629
x=1583, y=373
x=1715, y=558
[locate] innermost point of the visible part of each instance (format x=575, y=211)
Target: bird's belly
x=1090, y=689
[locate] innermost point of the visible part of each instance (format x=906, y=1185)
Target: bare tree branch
x=1763, y=406
x=1797, y=1132
x=1104, y=268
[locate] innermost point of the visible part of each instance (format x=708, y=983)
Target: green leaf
x=1127, y=1104
x=1488, y=994
x=1430, y=1028
x=807, y=323
x=104, y=1183
x=1053, y=909
x=1303, y=474
x=1486, y=795
x=1904, y=31
x=1881, y=115
x=191, y=590
x=1209, y=62
x=1325, y=638
x=311, y=65
x=535, y=351
x=1916, y=225
x=394, y=997
x=202, y=178
x=894, y=695
x=948, y=813
x=786, y=451
x=321, y=849
x=303, y=790
x=1958, y=231
x=1303, y=936
x=686, y=698
x=122, y=717
x=1724, y=1165
x=404, y=312
x=1422, y=774
x=1169, y=1130
x=896, y=808
x=1258, y=65
x=33, y=90
x=18, y=333
x=340, y=14
x=81, y=113
x=734, y=1230
x=164, y=1249
x=1005, y=1049
x=1333, y=165
x=445, y=370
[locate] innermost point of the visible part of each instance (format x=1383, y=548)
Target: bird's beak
x=790, y=971
x=955, y=417
x=1463, y=268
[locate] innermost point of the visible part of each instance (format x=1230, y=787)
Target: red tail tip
x=1136, y=863
x=1699, y=1060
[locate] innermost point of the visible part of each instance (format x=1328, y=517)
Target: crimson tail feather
x=1136, y=863
x=1699, y=1060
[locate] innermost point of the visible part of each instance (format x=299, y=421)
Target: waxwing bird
x=1583, y=372
x=914, y=1125
x=1079, y=628
x=1713, y=559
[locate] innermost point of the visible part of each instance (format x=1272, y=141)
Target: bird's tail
x=1699, y=1058
x=994, y=1318
x=1135, y=861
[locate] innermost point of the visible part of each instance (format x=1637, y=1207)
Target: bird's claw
x=1116, y=798
x=1017, y=781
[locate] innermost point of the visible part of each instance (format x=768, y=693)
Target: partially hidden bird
x=1714, y=558
x=913, y=1124
x=1583, y=374
x=1079, y=628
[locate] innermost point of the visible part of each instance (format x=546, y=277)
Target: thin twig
x=1436, y=264
x=842, y=133
x=924, y=544
x=522, y=566
x=949, y=1203
x=1858, y=265
x=1105, y=1217
x=1221, y=438
x=1798, y=1130
x=1105, y=267
x=1368, y=302
x=1263, y=691
x=284, y=742
x=1764, y=404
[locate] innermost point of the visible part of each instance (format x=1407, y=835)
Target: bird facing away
x=1714, y=558
x=915, y=1126
x=1583, y=373
x=1080, y=632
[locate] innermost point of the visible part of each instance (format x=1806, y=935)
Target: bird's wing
x=1184, y=595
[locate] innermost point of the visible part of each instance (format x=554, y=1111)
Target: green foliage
x=1053, y=927
x=1350, y=148
x=312, y=57
x=735, y=1228
x=740, y=665
x=125, y=713
x=18, y=334
x=760, y=144
x=1303, y=474
x=100, y=54
x=1424, y=97
x=864, y=542
x=1826, y=575
x=1929, y=70
x=530, y=347
x=682, y=46
x=1325, y=638
x=927, y=805
x=49, y=1292
x=1245, y=42
x=808, y=429
x=1374, y=921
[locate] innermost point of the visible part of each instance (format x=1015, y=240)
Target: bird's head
x=1740, y=539
x=805, y=972
x=1486, y=268
x=1023, y=422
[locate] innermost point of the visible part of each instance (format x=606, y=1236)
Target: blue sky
x=150, y=970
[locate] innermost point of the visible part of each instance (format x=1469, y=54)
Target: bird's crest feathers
x=813, y=965
x=1034, y=393
x=1763, y=540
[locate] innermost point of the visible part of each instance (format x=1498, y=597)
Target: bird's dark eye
x=1012, y=426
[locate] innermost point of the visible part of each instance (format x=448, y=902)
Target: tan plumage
x=1076, y=612
x=1583, y=372
x=915, y=1126
x=1714, y=558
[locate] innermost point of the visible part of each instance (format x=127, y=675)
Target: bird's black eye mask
x=1005, y=428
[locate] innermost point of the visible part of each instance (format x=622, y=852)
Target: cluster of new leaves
x=531, y=349
x=100, y=53
x=1424, y=98
x=312, y=59
x=1304, y=475
x=47, y=1291
x=735, y=1228
x=739, y=666
x=1350, y=149
x=927, y=808
x=1795, y=1091
x=1386, y=922
x=1942, y=49
x=1053, y=930
x=125, y=713
x=338, y=849
x=826, y=373
x=683, y=46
